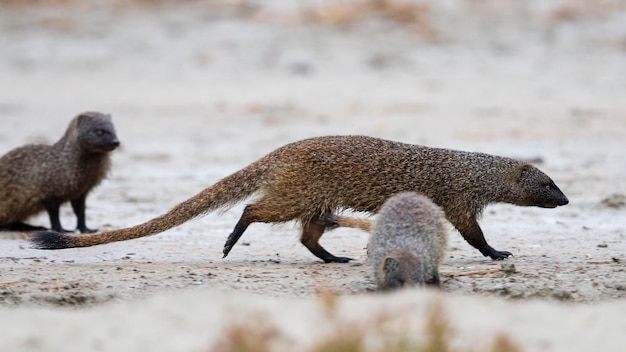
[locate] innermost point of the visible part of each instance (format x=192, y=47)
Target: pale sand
x=197, y=94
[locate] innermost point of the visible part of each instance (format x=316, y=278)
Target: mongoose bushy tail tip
x=49, y=240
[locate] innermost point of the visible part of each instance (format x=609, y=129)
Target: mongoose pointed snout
x=113, y=144
x=559, y=197
x=556, y=197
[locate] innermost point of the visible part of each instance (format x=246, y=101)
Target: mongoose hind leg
x=257, y=212
x=311, y=233
x=240, y=227
x=474, y=236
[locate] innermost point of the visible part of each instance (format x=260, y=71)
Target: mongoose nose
x=115, y=143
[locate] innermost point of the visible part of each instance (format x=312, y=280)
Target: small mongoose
x=408, y=242
x=307, y=179
x=37, y=177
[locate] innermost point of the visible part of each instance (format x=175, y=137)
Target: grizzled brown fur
x=304, y=180
x=34, y=178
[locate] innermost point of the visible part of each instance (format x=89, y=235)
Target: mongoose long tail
x=222, y=194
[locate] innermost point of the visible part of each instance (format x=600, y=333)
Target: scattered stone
x=614, y=201
x=508, y=268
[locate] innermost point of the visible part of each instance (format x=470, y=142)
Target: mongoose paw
x=500, y=255
x=334, y=259
x=227, y=247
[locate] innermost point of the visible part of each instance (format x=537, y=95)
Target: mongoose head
x=535, y=188
x=95, y=132
x=401, y=268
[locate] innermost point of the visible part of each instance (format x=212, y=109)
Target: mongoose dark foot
x=87, y=230
x=48, y=240
x=239, y=229
x=230, y=242
x=20, y=226
x=329, y=221
x=499, y=255
x=226, y=250
x=334, y=259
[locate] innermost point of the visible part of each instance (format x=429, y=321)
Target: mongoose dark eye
x=548, y=187
x=100, y=133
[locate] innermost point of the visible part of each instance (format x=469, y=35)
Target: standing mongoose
x=305, y=180
x=37, y=177
x=408, y=242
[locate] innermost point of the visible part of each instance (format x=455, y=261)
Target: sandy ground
x=199, y=91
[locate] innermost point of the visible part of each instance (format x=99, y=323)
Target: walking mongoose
x=307, y=179
x=408, y=242
x=37, y=177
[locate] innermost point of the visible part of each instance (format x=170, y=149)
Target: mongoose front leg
x=78, y=205
x=52, y=207
x=474, y=236
x=311, y=233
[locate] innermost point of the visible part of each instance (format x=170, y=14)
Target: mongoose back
x=408, y=242
x=306, y=179
x=39, y=177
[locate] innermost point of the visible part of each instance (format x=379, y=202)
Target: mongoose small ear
x=92, y=114
x=81, y=117
x=390, y=264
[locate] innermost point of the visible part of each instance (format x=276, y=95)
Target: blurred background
x=232, y=80
x=318, y=59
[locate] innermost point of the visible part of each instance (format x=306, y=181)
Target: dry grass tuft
x=407, y=13
x=380, y=334
x=254, y=335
